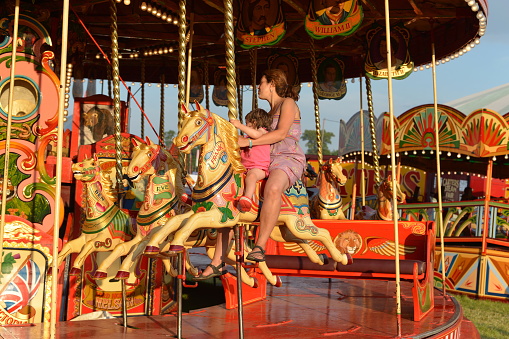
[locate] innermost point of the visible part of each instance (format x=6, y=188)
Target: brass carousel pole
x=207, y=84
x=142, y=98
x=393, y=165
x=189, y=59
x=240, y=95
x=8, y=130
x=253, y=61
x=232, y=114
x=115, y=72
x=161, y=114
x=372, y=130
x=315, y=101
x=181, y=102
x=363, y=174
x=437, y=151
x=58, y=174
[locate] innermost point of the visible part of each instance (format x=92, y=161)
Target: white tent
x=495, y=99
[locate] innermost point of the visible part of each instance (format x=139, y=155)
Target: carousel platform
x=301, y=308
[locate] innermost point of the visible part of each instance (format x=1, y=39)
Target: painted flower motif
x=202, y=206
x=231, y=194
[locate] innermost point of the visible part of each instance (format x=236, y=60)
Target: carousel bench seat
x=373, y=248
x=367, y=268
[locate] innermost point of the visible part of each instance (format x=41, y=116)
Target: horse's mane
x=179, y=177
x=229, y=135
x=172, y=162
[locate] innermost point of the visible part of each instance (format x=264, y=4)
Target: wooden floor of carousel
x=301, y=308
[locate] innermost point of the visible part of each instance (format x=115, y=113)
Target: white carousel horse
x=384, y=202
x=105, y=225
x=162, y=201
x=327, y=203
x=220, y=184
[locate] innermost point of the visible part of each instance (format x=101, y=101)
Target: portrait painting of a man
x=261, y=22
x=333, y=12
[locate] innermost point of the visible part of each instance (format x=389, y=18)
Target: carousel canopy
x=495, y=99
x=467, y=142
x=454, y=26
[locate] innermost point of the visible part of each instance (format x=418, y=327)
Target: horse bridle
x=209, y=122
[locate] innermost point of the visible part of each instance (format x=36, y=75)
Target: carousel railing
x=464, y=219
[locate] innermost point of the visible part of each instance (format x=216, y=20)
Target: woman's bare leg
x=224, y=236
x=276, y=184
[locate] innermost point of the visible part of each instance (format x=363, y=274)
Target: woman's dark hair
x=278, y=78
x=259, y=118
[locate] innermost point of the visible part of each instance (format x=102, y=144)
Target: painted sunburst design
x=484, y=133
x=386, y=137
x=421, y=132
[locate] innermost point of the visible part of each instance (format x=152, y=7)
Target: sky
x=482, y=68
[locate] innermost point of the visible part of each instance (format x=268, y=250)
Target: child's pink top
x=256, y=157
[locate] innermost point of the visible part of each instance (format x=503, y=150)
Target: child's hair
x=259, y=118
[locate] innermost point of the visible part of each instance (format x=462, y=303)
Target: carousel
x=100, y=223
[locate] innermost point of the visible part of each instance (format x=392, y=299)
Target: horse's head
x=143, y=160
x=334, y=172
x=195, y=130
x=87, y=169
x=385, y=190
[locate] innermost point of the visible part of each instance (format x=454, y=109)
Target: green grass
x=489, y=317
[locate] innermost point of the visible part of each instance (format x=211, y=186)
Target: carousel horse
x=219, y=186
x=105, y=225
x=162, y=201
x=327, y=203
x=384, y=202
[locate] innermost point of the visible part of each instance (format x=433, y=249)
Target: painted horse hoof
x=169, y=254
x=121, y=275
x=349, y=259
x=75, y=271
x=151, y=250
x=176, y=249
x=255, y=282
x=279, y=282
x=100, y=275
x=324, y=258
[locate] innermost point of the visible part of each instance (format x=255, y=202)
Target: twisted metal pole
x=315, y=101
x=253, y=61
x=181, y=102
x=116, y=113
x=142, y=98
x=231, y=86
x=239, y=94
x=372, y=129
x=161, y=114
x=207, y=84
x=181, y=62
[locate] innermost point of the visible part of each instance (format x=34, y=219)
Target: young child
x=256, y=159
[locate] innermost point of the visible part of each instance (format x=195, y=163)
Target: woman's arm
x=251, y=132
x=289, y=111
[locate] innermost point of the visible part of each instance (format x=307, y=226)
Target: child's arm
x=251, y=132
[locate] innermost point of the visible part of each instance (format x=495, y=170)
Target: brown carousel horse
x=220, y=184
x=162, y=201
x=327, y=203
x=105, y=225
x=384, y=202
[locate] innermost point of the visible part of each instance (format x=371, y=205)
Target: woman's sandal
x=256, y=255
x=215, y=272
